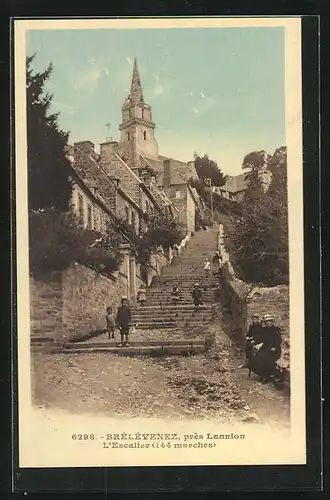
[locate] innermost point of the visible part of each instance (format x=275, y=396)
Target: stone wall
x=86, y=295
x=72, y=304
x=46, y=305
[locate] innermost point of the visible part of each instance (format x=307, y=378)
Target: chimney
x=167, y=174
x=107, y=149
x=83, y=149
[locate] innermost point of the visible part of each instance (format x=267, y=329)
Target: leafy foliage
x=259, y=235
x=48, y=167
x=141, y=244
x=208, y=169
x=56, y=240
x=164, y=230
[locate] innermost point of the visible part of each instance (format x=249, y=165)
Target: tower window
x=145, y=135
x=128, y=136
x=81, y=208
x=129, y=113
x=89, y=217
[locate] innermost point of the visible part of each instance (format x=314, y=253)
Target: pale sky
x=212, y=90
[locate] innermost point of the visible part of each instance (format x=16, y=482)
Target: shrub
x=56, y=240
x=162, y=230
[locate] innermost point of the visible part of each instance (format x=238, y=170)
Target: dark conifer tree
x=208, y=169
x=48, y=166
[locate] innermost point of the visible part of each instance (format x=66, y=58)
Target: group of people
x=216, y=264
x=263, y=347
x=196, y=295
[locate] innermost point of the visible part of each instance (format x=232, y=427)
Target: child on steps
x=110, y=321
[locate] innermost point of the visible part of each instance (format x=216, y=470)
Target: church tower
x=137, y=128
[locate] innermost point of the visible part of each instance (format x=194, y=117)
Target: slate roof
x=180, y=171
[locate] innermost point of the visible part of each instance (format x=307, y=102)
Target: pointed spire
x=136, y=89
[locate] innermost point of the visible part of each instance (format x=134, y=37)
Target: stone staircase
x=161, y=327
x=184, y=271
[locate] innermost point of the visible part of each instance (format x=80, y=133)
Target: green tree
x=48, y=167
x=259, y=235
x=208, y=169
x=164, y=230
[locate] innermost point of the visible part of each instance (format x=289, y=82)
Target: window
x=126, y=213
x=129, y=113
x=133, y=220
x=81, y=208
x=128, y=136
x=89, y=217
x=99, y=222
x=177, y=194
x=145, y=135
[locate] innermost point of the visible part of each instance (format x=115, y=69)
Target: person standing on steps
x=123, y=320
x=216, y=261
x=197, y=295
x=142, y=296
x=207, y=267
x=176, y=250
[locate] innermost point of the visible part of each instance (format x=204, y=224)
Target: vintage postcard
x=159, y=242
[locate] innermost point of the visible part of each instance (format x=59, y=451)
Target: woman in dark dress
x=267, y=351
x=253, y=337
x=197, y=295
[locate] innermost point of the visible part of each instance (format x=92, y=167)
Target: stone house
x=235, y=186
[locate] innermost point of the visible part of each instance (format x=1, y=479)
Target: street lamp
x=212, y=213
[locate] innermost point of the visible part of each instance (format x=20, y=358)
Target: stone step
x=186, y=295
x=143, y=323
x=161, y=303
x=142, y=351
x=174, y=313
x=135, y=343
x=185, y=278
x=150, y=325
x=178, y=324
x=170, y=316
x=38, y=339
x=166, y=288
x=179, y=307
